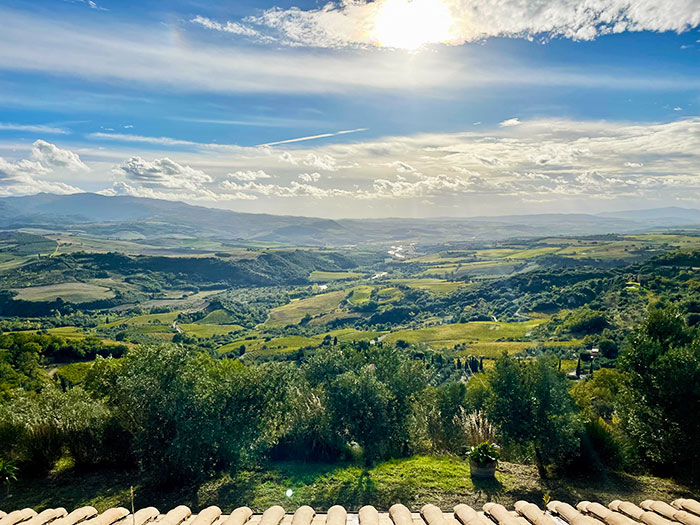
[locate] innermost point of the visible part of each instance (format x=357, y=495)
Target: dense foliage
x=180, y=413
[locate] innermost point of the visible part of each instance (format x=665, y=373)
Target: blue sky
x=418, y=107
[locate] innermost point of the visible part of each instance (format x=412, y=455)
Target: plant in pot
x=483, y=459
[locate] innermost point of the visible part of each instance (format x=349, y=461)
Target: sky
x=351, y=108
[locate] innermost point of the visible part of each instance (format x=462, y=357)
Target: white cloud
x=309, y=177
x=52, y=156
x=678, y=108
x=355, y=22
x=294, y=189
x=148, y=55
x=124, y=188
x=249, y=175
x=163, y=173
x=567, y=164
x=323, y=162
x=160, y=141
x=22, y=177
x=229, y=27
x=402, y=167
x=510, y=123
x=34, y=128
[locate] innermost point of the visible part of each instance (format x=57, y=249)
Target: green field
x=261, y=345
x=437, y=286
x=322, y=277
x=389, y=294
x=166, y=318
x=218, y=317
x=74, y=373
x=351, y=334
x=496, y=348
x=69, y=292
x=360, y=294
x=67, y=332
x=449, y=335
x=268, y=346
x=295, y=311
x=209, y=330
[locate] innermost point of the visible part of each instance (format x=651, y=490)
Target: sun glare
x=409, y=24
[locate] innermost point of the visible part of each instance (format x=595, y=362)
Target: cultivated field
x=322, y=277
x=449, y=335
x=295, y=311
x=69, y=292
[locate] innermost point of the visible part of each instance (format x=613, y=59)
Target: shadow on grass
x=488, y=489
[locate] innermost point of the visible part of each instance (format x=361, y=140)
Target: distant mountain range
x=148, y=219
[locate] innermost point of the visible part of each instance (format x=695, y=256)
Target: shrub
x=8, y=472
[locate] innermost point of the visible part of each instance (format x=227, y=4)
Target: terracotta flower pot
x=485, y=471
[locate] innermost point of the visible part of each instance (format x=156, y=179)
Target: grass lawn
x=443, y=481
x=295, y=311
x=448, y=335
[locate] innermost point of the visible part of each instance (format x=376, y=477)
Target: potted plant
x=483, y=459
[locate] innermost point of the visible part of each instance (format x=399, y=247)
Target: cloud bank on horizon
x=356, y=108
x=546, y=162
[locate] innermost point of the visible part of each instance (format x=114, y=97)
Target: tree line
x=179, y=413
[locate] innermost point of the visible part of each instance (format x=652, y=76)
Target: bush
x=190, y=415
x=37, y=429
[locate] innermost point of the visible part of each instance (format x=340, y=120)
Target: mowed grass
x=414, y=481
x=437, y=286
x=69, y=292
x=449, y=335
x=322, y=277
x=295, y=311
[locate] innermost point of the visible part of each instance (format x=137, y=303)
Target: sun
x=409, y=24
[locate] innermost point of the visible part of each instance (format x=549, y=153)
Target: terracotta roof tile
x=689, y=505
x=368, y=515
x=17, y=516
x=670, y=512
x=143, y=516
x=648, y=512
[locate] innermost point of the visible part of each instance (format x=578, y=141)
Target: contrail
x=313, y=137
